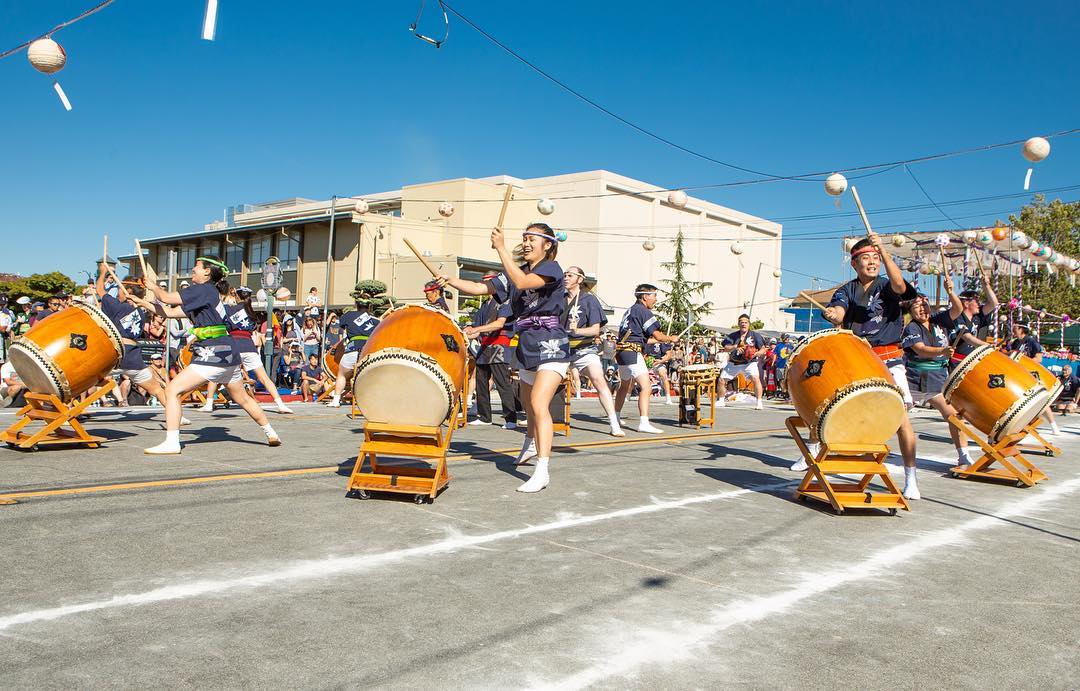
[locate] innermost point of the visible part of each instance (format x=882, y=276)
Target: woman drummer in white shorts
x=585, y=318
x=214, y=357
x=240, y=318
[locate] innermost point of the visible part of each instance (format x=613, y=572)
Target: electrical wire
x=928, y=197
x=48, y=34
x=766, y=177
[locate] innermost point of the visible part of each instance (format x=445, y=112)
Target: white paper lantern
x=969, y=236
x=46, y=56
x=677, y=198
x=1021, y=240
x=1060, y=260
x=835, y=184
x=446, y=209
x=736, y=248
x=361, y=207
x=282, y=294
x=985, y=238
x=1035, y=247
x=898, y=240
x=776, y=273
x=545, y=206
x=942, y=240
x=1044, y=252
x=1074, y=264
x=648, y=245
x=847, y=244
x=924, y=269
x=1036, y=149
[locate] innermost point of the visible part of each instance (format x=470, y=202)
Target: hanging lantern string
x=96, y=8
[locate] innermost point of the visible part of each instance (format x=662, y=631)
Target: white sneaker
x=333, y=404
x=911, y=491
x=510, y=425
x=184, y=421
x=273, y=440
x=647, y=428
x=759, y=405
x=478, y=422
x=539, y=479
x=801, y=465
x=617, y=432
x=207, y=407
x=963, y=459
x=669, y=402
x=163, y=449
x=284, y=409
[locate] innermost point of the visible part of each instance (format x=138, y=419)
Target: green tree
x=684, y=297
x=1056, y=224
x=38, y=286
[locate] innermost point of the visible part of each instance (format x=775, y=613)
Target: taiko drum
x=997, y=395
x=842, y=390
x=331, y=359
x=412, y=369
x=1046, y=377
x=68, y=352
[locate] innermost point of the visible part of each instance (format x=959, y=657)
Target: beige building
x=609, y=220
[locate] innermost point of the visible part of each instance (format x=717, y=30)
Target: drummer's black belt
x=636, y=347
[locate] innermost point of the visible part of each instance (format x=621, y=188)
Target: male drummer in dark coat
x=869, y=305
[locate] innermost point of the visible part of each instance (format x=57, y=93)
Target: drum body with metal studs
x=68, y=352
x=1045, y=376
x=842, y=390
x=996, y=394
x=412, y=369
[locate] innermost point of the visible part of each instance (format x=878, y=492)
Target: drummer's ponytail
x=218, y=269
x=223, y=286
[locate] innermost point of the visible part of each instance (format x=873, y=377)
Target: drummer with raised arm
x=369, y=298
x=869, y=305
x=638, y=325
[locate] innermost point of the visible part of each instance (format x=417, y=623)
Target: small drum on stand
x=997, y=395
x=59, y=359
x=843, y=390
x=847, y=396
x=412, y=369
x=695, y=383
x=67, y=353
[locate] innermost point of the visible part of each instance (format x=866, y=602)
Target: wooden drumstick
x=505, y=205
x=425, y=262
x=812, y=301
x=148, y=273
x=862, y=212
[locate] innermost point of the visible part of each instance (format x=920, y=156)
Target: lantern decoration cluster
x=677, y=198
x=545, y=206
x=48, y=57
x=1035, y=149
x=446, y=209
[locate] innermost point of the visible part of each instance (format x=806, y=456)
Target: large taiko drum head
x=412, y=369
x=997, y=395
x=843, y=390
x=68, y=352
x=331, y=359
x=1046, y=377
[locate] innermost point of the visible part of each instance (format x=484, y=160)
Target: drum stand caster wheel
x=892, y=512
x=358, y=494
x=420, y=499
x=1021, y=484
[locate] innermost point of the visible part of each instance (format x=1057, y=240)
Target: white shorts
x=217, y=375
x=138, y=376
x=635, y=370
x=348, y=361
x=251, y=361
x=582, y=362
x=732, y=370
x=899, y=375
x=529, y=376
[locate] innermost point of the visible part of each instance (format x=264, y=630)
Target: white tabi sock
x=539, y=479
x=528, y=450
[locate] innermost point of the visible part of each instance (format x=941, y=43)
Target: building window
x=288, y=249
x=210, y=248
x=162, y=267
x=186, y=260
x=260, y=252
x=234, y=256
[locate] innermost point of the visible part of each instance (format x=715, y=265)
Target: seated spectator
x=1069, y=397
x=313, y=381
x=11, y=387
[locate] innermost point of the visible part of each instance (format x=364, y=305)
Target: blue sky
x=169, y=129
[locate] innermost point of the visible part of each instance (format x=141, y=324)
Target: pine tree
x=683, y=295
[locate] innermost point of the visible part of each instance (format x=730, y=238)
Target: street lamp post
x=270, y=282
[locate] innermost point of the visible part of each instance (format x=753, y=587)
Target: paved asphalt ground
x=663, y=563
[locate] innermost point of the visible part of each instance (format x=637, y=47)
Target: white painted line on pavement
x=644, y=648
x=332, y=566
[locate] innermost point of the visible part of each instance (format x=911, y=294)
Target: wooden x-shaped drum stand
x=692, y=391
x=1044, y=447
x=409, y=441
x=1006, y=453
x=55, y=414
x=867, y=460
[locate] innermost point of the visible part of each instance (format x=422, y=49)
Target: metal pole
x=168, y=329
x=329, y=267
x=753, y=296
x=268, y=342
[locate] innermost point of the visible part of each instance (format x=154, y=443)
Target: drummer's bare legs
x=155, y=389
x=211, y=394
x=814, y=447
x=595, y=372
x=644, y=395
x=759, y=390
x=251, y=407
x=938, y=402
x=528, y=445
x=1049, y=415
x=906, y=436
x=665, y=383
x=186, y=380
x=537, y=400
x=264, y=379
x=339, y=386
